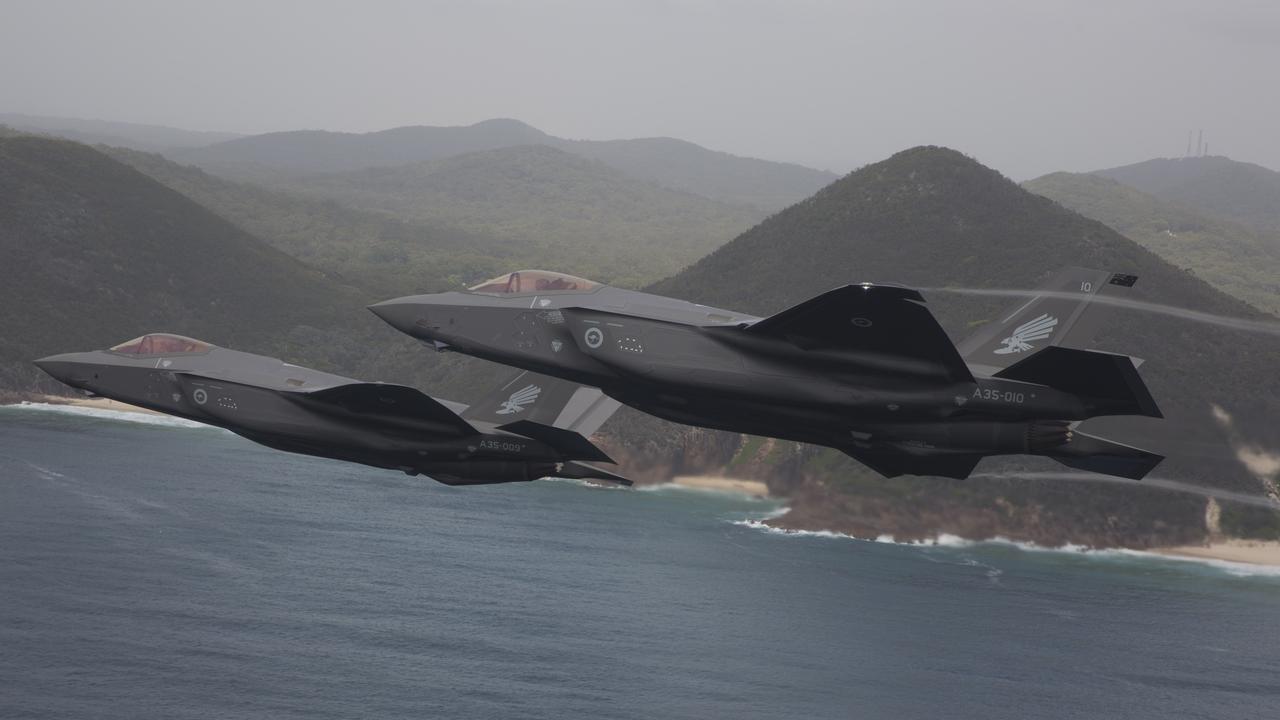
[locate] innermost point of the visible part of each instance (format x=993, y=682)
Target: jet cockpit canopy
x=534, y=281
x=161, y=344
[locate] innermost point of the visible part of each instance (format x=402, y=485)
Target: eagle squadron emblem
x=1023, y=335
x=527, y=395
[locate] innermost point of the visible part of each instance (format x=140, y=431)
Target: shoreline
x=99, y=403
x=1235, y=550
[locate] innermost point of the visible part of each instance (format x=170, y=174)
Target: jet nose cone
x=400, y=314
x=60, y=367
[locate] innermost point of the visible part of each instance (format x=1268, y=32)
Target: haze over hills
x=1231, y=257
x=931, y=217
x=558, y=208
x=97, y=253
x=1237, y=191
x=107, y=132
x=676, y=164
x=385, y=255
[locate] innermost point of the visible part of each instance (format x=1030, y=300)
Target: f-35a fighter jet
x=862, y=368
x=530, y=428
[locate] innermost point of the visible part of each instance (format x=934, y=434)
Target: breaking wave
x=945, y=540
x=585, y=483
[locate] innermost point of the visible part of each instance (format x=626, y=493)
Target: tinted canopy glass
x=534, y=281
x=161, y=344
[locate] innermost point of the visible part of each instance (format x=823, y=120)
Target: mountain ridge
x=1233, y=190
x=140, y=136
x=553, y=206
x=1230, y=256
x=679, y=164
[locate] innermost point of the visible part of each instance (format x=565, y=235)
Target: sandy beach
x=1253, y=552
x=97, y=402
x=712, y=482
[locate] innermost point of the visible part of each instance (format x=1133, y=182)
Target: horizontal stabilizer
x=583, y=471
x=1095, y=454
x=394, y=403
x=567, y=442
x=882, y=321
x=891, y=462
x=1107, y=383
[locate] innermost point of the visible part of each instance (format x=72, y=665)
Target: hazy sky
x=1026, y=87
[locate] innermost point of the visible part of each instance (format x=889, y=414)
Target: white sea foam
x=603, y=485
x=956, y=542
x=105, y=414
x=760, y=524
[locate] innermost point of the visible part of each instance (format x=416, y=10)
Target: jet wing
x=583, y=471
x=880, y=320
x=395, y=403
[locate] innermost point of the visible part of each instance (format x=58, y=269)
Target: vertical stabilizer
x=1060, y=312
x=547, y=401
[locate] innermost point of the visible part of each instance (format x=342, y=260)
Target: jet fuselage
x=705, y=366
x=305, y=411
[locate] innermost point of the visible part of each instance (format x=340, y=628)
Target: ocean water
x=151, y=568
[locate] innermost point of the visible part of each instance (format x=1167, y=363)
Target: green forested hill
x=1231, y=257
x=676, y=164
x=1241, y=192
x=931, y=217
x=682, y=165
x=94, y=250
x=448, y=223
x=387, y=255
x=555, y=208
x=95, y=253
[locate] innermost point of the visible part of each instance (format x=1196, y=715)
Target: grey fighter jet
x=862, y=368
x=530, y=428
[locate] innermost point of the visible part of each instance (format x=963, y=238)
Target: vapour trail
x=1162, y=483
x=1263, y=327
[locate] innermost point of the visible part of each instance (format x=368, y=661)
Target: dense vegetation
x=1241, y=192
x=446, y=224
x=1231, y=257
x=96, y=252
x=387, y=255
x=555, y=209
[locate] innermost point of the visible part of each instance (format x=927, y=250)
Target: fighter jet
x=531, y=427
x=864, y=368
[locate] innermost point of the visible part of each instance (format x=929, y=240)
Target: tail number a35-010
x=1004, y=396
